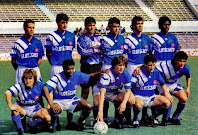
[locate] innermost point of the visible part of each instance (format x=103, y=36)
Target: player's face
x=69, y=71
x=139, y=26
x=62, y=25
x=119, y=68
x=150, y=66
x=165, y=27
x=29, y=30
x=180, y=63
x=114, y=29
x=29, y=81
x=90, y=28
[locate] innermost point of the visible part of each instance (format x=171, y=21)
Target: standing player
x=137, y=46
x=172, y=70
x=164, y=43
x=88, y=48
x=64, y=86
x=110, y=88
x=27, y=52
x=112, y=44
x=59, y=44
x=27, y=94
x=144, y=86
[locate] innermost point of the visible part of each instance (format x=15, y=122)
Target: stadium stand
x=101, y=10
x=176, y=10
x=19, y=10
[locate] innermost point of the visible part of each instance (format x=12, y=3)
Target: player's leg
x=181, y=95
x=16, y=118
x=86, y=108
x=55, y=118
x=136, y=110
x=160, y=106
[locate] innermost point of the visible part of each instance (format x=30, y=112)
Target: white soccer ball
x=100, y=128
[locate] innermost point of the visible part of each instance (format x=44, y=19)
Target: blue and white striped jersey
x=145, y=84
x=112, y=82
x=137, y=48
x=27, y=53
x=65, y=88
x=88, y=48
x=26, y=97
x=112, y=47
x=170, y=74
x=164, y=46
x=61, y=46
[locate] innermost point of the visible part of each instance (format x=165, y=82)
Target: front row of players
x=165, y=77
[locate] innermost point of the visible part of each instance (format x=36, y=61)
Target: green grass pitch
x=189, y=115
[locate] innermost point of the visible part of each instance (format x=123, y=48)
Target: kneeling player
x=144, y=86
x=64, y=85
x=27, y=94
x=110, y=88
x=172, y=70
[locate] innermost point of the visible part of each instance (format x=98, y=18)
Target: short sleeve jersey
x=65, y=88
x=27, y=52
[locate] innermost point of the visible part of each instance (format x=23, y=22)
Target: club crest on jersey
x=37, y=97
x=146, y=46
x=75, y=86
x=36, y=50
x=122, y=46
x=154, y=82
x=70, y=43
x=172, y=45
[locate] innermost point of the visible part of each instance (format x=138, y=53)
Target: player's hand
x=136, y=72
x=169, y=97
x=100, y=116
x=122, y=108
x=131, y=99
x=14, y=107
x=94, y=44
x=187, y=92
x=56, y=108
x=105, y=71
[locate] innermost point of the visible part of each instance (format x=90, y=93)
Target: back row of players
x=113, y=52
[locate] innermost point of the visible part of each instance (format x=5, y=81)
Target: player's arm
x=48, y=54
x=136, y=72
x=8, y=95
x=47, y=95
x=39, y=61
x=124, y=102
x=101, y=72
x=13, y=62
x=101, y=104
x=167, y=93
x=188, y=80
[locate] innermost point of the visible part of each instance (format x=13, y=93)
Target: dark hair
x=113, y=20
x=149, y=58
x=67, y=63
x=89, y=20
x=162, y=20
x=30, y=72
x=134, y=21
x=179, y=55
x=117, y=60
x=61, y=16
x=26, y=22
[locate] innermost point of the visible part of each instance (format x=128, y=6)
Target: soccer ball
x=100, y=128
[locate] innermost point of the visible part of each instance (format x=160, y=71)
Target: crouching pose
x=172, y=70
x=110, y=88
x=64, y=86
x=144, y=86
x=27, y=94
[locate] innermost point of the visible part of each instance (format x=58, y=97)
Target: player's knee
x=89, y=106
x=47, y=118
x=139, y=104
x=184, y=99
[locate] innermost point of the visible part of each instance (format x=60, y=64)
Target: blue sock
x=136, y=111
x=17, y=121
x=35, y=122
x=169, y=111
x=180, y=108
